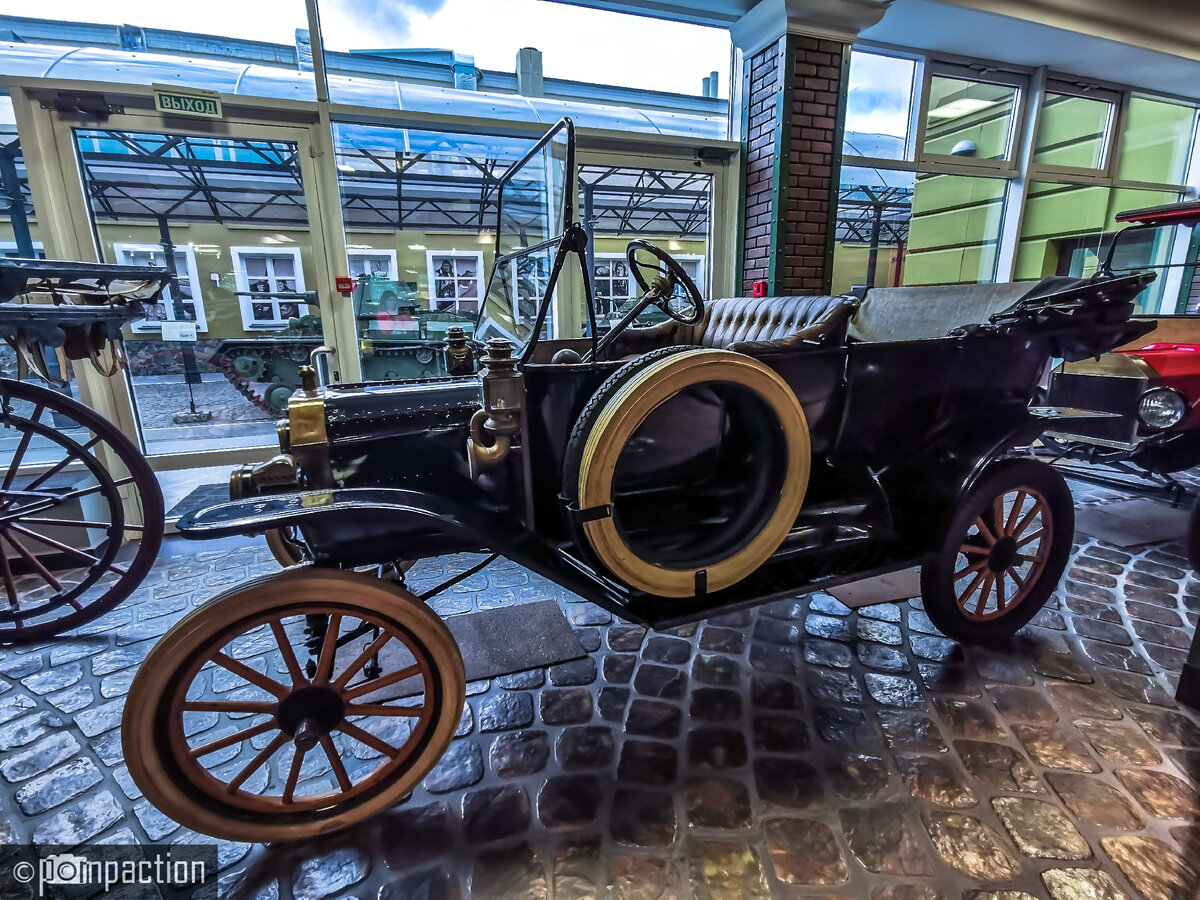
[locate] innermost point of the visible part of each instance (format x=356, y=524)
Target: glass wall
x=213, y=363
x=936, y=214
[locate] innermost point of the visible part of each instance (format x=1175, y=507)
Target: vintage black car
x=748, y=450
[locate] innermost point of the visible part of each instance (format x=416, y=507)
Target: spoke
x=998, y=516
x=1029, y=517
x=57, y=545
x=229, y=740
x=255, y=764
x=335, y=761
x=962, y=601
x=328, y=646
x=1016, y=576
x=289, y=789
x=972, y=550
x=1035, y=560
x=83, y=492
x=1016, y=511
x=377, y=684
x=365, y=737
x=983, y=531
x=968, y=569
x=46, y=575
x=59, y=466
x=289, y=655
x=68, y=523
x=19, y=455
x=984, y=592
x=255, y=677
x=230, y=706
x=1001, y=600
x=1032, y=536
x=355, y=709
x=370, y=650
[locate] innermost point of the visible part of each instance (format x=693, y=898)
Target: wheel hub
x=320, y=708
x=1003, y=554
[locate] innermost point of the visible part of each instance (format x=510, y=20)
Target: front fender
x=399, y=508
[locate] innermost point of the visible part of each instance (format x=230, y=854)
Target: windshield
x=533, y=212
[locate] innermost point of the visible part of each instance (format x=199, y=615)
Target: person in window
x=261, y=285
x=285, y=285
x=446, y=270
x=445, y=289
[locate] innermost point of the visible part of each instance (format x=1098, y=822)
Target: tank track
x=240, y=382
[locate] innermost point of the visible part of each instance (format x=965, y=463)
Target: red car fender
x=1178, y=367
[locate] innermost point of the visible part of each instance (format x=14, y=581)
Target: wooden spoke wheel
x=286, y=547
x=302, y=704
x=1003, y=555
x=67, y=550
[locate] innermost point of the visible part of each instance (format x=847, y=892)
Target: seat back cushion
x=917, y=313
x=769, y=321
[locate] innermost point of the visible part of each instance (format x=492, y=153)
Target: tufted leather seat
x=753, y=325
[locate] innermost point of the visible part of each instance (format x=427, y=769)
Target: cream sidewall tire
x=145, y=731
x=629, y=407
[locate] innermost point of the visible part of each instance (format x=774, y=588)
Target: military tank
x=398, y=338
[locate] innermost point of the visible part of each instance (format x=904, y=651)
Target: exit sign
x=187, y=102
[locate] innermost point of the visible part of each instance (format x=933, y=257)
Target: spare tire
x=687, y=469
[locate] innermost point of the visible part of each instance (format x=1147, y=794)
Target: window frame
x=1009, y=167
x=480, y=280
x=1116, y=117
x=146, y=325
x=6, y=246
x=238, y=257
x=389, y=255
x=920, y=63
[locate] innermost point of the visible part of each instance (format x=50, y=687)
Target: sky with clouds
x=576, y=43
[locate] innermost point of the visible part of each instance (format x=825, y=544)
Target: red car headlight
x=1162, y=407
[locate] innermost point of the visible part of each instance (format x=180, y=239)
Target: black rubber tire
x=937, y=574
x=1192, y=539
x=573, y=457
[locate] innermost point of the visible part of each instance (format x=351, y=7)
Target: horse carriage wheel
x=296, y=706
x=67, y=469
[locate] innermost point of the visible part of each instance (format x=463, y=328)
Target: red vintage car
x=1151, y=391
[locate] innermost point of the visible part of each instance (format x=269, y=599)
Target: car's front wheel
x=1003, y=554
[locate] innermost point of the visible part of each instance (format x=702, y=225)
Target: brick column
x=793, y=101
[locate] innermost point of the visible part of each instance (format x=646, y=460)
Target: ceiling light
x=961, y=107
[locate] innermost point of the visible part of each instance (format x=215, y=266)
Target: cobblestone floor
x=799, y=749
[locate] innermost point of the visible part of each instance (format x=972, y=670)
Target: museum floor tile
x=799, y=749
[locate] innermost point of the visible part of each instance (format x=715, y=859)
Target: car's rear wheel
x=1003, y=555
x=297, y=705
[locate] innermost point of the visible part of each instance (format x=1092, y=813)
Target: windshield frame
x=571, y=238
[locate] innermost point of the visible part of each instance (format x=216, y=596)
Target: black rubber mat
x=514, y=638
x=1130, y=523
x=492, y=642
x=199, y=498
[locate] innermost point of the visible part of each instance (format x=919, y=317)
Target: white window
x=455, y=280
x=190, y=305
x=611, y=281
x=271, y=285
x=8, y=250
x=370, y=262
x=614, y=284
x=531, y=274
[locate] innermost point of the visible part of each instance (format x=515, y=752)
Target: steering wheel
x=670, y=272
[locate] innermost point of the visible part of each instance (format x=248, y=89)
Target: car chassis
x=665, y=474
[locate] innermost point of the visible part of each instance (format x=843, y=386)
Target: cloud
x=577, y=43
x=880, y=94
